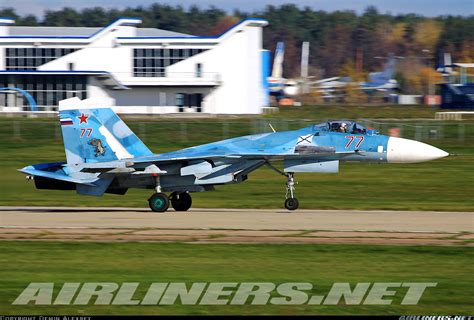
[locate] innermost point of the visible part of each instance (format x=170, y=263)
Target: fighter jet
x=104, y=156
x=383, y=80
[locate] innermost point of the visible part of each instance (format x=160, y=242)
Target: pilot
x=343, y=127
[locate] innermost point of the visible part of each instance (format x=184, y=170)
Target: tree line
x=339, y=41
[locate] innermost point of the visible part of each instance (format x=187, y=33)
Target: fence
x=192, y=131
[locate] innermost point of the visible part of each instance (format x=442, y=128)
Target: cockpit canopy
x=344, y=126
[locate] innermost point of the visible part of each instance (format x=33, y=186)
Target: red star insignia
x=83, y=118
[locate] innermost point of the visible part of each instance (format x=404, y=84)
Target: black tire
x=292, y=204
x=181, y=201
x=159, y=202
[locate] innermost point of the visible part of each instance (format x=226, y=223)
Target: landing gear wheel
x=159, y=202
x=181, y=201
x=291, y=204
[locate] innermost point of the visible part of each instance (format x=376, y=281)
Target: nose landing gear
x=291, y=203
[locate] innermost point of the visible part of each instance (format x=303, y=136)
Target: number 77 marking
x=84, y=130
x=351, y=139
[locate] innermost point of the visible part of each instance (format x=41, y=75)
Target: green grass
x=321, y=265
x=445, y=184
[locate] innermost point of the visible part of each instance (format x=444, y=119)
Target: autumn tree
x=336, y=38
x=426, y=34
x=223, y=24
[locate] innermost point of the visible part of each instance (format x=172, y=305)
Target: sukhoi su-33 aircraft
x=104, y=156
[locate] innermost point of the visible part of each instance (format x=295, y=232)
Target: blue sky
x=422, y=7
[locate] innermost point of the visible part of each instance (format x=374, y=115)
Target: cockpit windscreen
x=342, y=126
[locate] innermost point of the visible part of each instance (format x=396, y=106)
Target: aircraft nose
x=401, y=150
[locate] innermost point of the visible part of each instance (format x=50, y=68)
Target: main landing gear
x=291, y=203
x=180, y=201
x=160, y=202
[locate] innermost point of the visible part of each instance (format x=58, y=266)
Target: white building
x=135, y=69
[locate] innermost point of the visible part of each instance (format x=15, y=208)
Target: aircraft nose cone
x=401, y=150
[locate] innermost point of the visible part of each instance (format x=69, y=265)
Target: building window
x=189, y=100
x=198, y=70
x=47, y=90
x=180, y=101
x=31, y=58
x=198, y=102
x=153, y=62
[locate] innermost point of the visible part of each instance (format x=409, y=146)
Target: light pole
x=428, y=64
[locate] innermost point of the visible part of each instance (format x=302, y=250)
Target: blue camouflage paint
x=284, y=143
x=84, y=143
x=99, y=145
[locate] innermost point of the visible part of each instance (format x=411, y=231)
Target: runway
x=237, y=225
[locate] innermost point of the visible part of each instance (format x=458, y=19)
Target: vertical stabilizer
x=277, y=71
x=95, y=134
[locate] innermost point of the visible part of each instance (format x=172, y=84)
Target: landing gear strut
x=158, y=202
x=291, y=203
x=181, y=201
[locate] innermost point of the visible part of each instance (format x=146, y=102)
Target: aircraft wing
x=128, y=165
x=327, y=155
x=320, y=81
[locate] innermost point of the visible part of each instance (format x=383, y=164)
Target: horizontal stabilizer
x=56, y=175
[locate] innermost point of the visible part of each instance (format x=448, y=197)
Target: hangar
x=135, y=70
